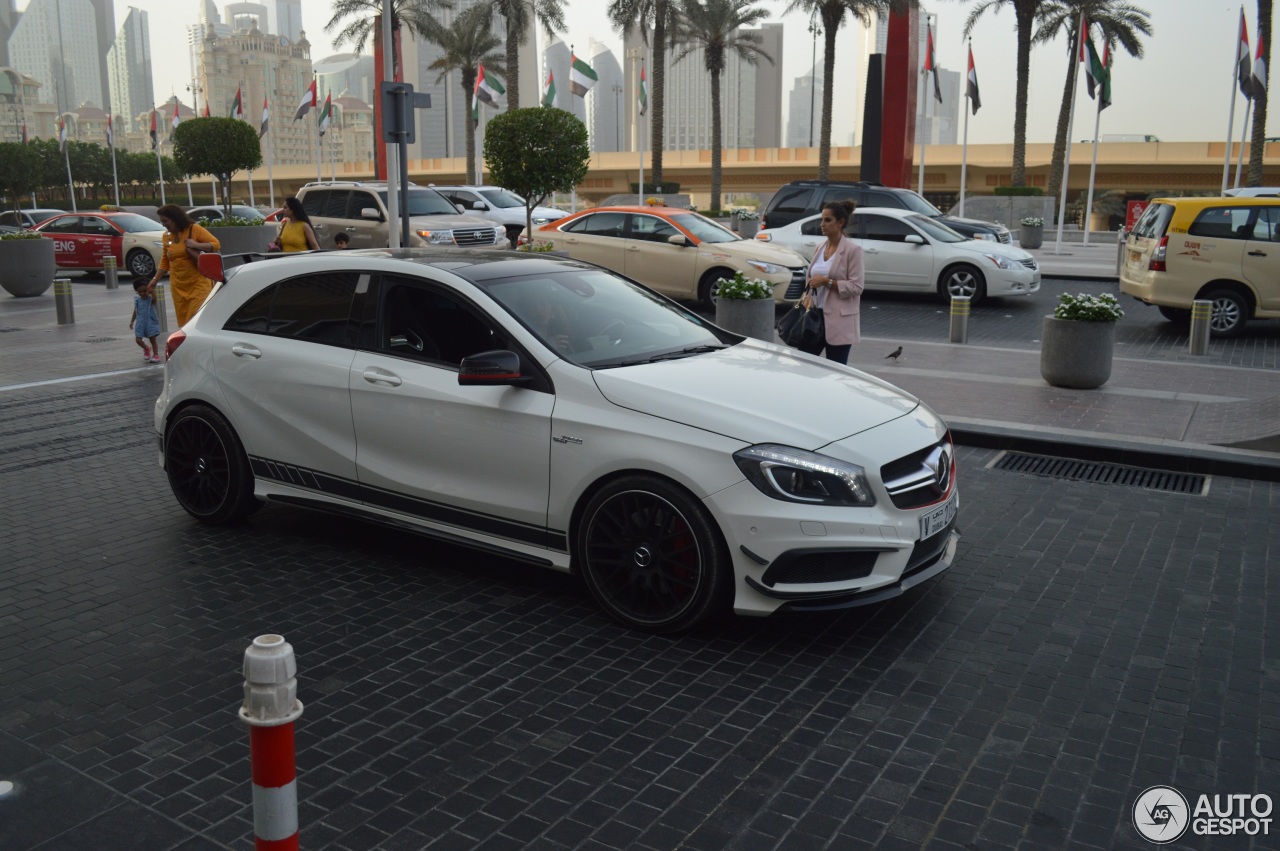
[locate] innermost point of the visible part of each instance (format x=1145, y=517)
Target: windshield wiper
x=683, y=353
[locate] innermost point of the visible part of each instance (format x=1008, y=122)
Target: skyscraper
x=244, y=16
x=805, y=112
x=129, y=69
x=8, y=19
x=104, y=21
x=56, y=42
x=607, y=101
x=287, y=19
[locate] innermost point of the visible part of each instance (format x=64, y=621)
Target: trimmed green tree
x=536, y=151
x=19, y=171
x=217, y=146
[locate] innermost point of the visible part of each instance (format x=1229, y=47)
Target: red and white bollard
x=270, y=707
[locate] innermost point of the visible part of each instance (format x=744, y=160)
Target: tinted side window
x=885, y=229
x=335, y=207
x=812, y=228
x=316, y=308
x=792, y=199
x=845, y=194
x=360, y=200
x=1267, y=225
x=422, y=323
x=314, y=201
x=65, y=224
x=1154, y=221
x=651, y=228
x=599, y=224
x=875, y=198
x=1223, y=223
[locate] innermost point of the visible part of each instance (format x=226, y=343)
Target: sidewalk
x=1186, y=416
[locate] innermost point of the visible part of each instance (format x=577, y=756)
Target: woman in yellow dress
x=182, y=238
x=296, y=233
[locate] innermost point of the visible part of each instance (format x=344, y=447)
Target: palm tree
x=1121, y=23
x=466, y=44
x=1257, y=141
x=1024, y=12
x=662, y=15
x=832, y=13
x=716, y=28
x=517, y=14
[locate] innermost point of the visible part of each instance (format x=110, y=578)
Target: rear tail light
x=764, y=221
x=1158, y=255
x=171, y=345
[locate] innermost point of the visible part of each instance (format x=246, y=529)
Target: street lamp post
x=813, y=68
x=617, y=125
x=196, y=90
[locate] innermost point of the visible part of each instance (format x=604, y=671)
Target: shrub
x=232, y=222
x=1033, y=222
x=1088, y=308
x=22, y=234
x=742, y=287
x=1019, y=190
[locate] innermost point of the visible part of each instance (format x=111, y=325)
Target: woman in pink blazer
x=836, y=281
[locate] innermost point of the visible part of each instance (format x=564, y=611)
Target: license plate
x=939, y=518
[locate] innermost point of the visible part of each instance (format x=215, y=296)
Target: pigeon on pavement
x=895, y=354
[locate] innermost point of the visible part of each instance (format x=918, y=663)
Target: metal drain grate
x=1102, y=473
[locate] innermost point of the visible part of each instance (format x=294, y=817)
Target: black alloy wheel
x=207, y=467
x=650, y=555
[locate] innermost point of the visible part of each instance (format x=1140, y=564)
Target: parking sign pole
x=389, y=75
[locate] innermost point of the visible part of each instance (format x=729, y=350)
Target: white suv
x=498, y=205
x=359, y=209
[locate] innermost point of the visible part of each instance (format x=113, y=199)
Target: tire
x=963, y=280
x=651, y=555
x=709, y=284
x=1177, y=315
x=141, y=264
x=207, y=467
x=1230, y=313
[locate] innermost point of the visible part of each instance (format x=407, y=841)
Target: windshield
x=917, y=204
x=133, y=223
x=597, y=319
x=936, y=230
x=704, y=229
x=502, y=198
x=426, y=202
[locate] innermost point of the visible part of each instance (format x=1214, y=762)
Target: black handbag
x=804, y=328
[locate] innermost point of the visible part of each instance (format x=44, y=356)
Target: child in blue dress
x=145, y=322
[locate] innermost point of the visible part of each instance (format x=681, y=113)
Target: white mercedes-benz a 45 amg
x=550, y=411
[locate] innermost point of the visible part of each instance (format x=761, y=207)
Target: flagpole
x=160, y=168
x=271, y=184
x=1231, y=113
x=1093, y=169
x=333, y=169
x=1244, y=128
x=115, y=179
x=1071, y=120
x=924, y=140
x=319, y=155
x=964, y=151
x=71, y=186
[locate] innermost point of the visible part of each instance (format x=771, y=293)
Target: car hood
x=548, y=213
x=446, y=221
x=987, y=246
x=758, y=393
x=971, y=224
x=754, y=249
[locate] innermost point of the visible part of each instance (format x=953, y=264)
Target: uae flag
x=931, y=64
x=155, y=138
x=206, y=109
x=1098, y=74
x=644, y=91
x=581, y=77
x=308, y=101
x=326, y=112
x=1259, y=78
x=549, y=96
x=1244, y=59
x=24, y=132
x=110, y=140
x=266, y=116
x=971, y=90
x=488, y=88
x=176, y=120
x=62, y=135
x=237, y=106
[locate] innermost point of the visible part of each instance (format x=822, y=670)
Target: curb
x=1148, y=453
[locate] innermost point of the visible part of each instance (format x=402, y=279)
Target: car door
x=1217, y=237
x=67, y=233
x=283, y=361
x=364, y=233
x=810, y=237
x=597, y=238
x=653, y=261
x=889, y=262
x=1261, y=261
x=100, y=240
x=470, y=457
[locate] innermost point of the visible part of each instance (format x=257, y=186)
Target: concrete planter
x=1076, y=354
x=27, y=266
x=243, y=240
x=1031, y=236
x=747, y=228
x=748, y=317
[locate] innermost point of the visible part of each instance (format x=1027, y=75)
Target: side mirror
x=460, y=208
x=497, y=367
x=371, y=213
x=914, y=239
x=209, y=264
x=677, y=239
x=479, y=205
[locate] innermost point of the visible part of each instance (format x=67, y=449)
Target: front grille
x=800, y=567
x=474, y=236
x=928, y=551
x=921, y=478
x=1031, y=263
x=1005, y=237
x=795, y=289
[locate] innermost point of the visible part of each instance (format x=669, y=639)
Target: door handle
x=243, y=350
x=634, y=248
x=373, y=375
x=352, y=229
x=572, y=241
x=1257, y=254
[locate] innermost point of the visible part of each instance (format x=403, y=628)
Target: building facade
x=804, y=112
x=287, y=19
x=246, y=16
x=129, y=68
x=345, y=73
x=56, y=41
x=607, y=100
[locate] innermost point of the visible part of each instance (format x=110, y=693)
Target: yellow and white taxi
x=1224, y=250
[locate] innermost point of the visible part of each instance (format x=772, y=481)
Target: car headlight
x=1003, y=262
x=436, y=237
x=499, y=233
x=540, y=220
x=797, y=475
x=989, y=237
x=767, y=268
